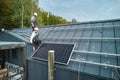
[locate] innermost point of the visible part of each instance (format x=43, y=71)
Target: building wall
x=38, y=70
x=8, y=37
x=13, y=56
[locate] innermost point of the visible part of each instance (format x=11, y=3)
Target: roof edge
x=84, y=22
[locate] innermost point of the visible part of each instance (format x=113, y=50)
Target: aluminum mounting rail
x=78, y=38
x=78, y=28
x=94, y=63
x=97, y=53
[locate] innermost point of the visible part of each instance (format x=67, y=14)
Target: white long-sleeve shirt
x=34, y=34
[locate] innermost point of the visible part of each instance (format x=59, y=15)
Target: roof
x=10, y=45
x=97, y=45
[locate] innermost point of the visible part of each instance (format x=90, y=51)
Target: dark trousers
x=37, y=43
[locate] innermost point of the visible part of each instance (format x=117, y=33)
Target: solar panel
x=62, y=52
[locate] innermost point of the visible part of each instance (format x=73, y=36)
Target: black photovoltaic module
x=62, y=52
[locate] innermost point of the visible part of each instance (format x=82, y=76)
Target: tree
x=6, y=14
x=74, y=20
x=17, y=14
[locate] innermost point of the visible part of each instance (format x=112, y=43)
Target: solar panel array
x=62, y=52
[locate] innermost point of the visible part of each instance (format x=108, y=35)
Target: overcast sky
x=82, y=10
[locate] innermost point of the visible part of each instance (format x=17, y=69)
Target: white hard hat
x=35, y=13
x=36, y=29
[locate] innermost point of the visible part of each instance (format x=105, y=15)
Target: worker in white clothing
x=34, y=38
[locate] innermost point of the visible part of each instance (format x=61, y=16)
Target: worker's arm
x=32, y=37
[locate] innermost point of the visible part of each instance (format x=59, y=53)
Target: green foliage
x=6, y=13
x=74, y=20
x=12, y=10
x=53, y=20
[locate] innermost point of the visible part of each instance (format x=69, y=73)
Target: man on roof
x=34, y=21
x=34, y=38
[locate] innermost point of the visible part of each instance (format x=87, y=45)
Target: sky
x=82, y=10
